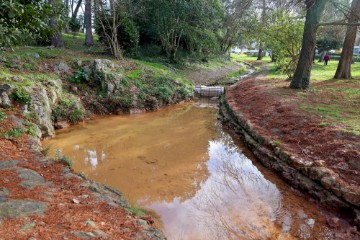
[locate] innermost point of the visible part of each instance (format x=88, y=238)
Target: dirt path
x=210, y=76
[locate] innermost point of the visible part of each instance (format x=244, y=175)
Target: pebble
x=75, y=201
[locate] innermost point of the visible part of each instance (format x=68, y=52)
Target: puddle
x=181, y=164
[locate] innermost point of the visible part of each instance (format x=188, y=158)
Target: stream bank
x=293, y=144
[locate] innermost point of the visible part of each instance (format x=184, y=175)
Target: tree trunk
x=260, y=54
x=263, y=23
x=301, y=77
x=344, y=67
x=56, y=39
x=88, y=25
x=66, y=3
x=73, y=17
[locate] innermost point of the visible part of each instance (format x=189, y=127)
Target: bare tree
x=108, y=18
x=344, y=66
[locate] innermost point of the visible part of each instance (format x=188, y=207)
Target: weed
x=14, y=133
x=277, y=143
x=81, y=76
x=138, y=211
x=45, y=151
x=76, y=115
x=31, y=128
x=66, y=161
x=323, y=124
x=2, y=116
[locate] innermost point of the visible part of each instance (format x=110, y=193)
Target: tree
x=74, y=23
x=344, y=67
x=23, y=20
x=314, y=10
x=88, y=24
x=283, y=36
x=56, y=38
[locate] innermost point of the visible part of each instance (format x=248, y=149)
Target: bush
x=80, y=76
x=67, y=110
x=21, y=95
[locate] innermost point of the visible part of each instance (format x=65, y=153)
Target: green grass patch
x=346, y=116
x=319, y=71
x=135, y=74
x=237, y=73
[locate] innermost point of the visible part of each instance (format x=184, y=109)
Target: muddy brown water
x=199, y=181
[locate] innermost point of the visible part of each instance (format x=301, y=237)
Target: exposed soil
x=273, y=110
x=210, y=76
x=72, y=208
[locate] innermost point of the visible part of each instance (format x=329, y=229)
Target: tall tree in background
x=314, y=10
x=263, y=23
x=56, y=38
x=88, y=24
x=344, y=67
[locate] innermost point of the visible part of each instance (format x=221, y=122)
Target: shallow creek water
x=200, y=182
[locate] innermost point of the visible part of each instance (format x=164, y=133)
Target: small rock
x=27, y=227
x=142, y=223
x=4, y=100
x=334, y=222
x=33, y=54
x=100, y=233
x=90, y=223
x=61, y=67
x=6, y=164
x=21, y=208
x=83, y=234
x=61, y=125
x=75, y=201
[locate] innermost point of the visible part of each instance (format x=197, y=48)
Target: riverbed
x=198, y=180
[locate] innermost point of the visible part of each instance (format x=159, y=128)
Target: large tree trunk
x=56, y=39
x=88, y=26
x=301, y=77
x=344, y=67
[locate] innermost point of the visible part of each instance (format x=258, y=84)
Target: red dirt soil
x=273, y=110
x=63, y=215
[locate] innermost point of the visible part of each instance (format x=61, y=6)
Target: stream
x=198, y=180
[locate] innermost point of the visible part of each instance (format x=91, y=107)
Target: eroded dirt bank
x=43, y=199
x=321, y=160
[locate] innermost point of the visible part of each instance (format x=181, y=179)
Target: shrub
x=14, y=133
x=2, y=115
x=80, y=76
x=21, y=95
x=67, y=110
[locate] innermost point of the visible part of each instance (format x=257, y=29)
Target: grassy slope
x=336, y=101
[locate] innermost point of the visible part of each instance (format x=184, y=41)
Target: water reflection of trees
x=237, y=201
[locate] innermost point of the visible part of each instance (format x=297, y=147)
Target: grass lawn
x=335, y=101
